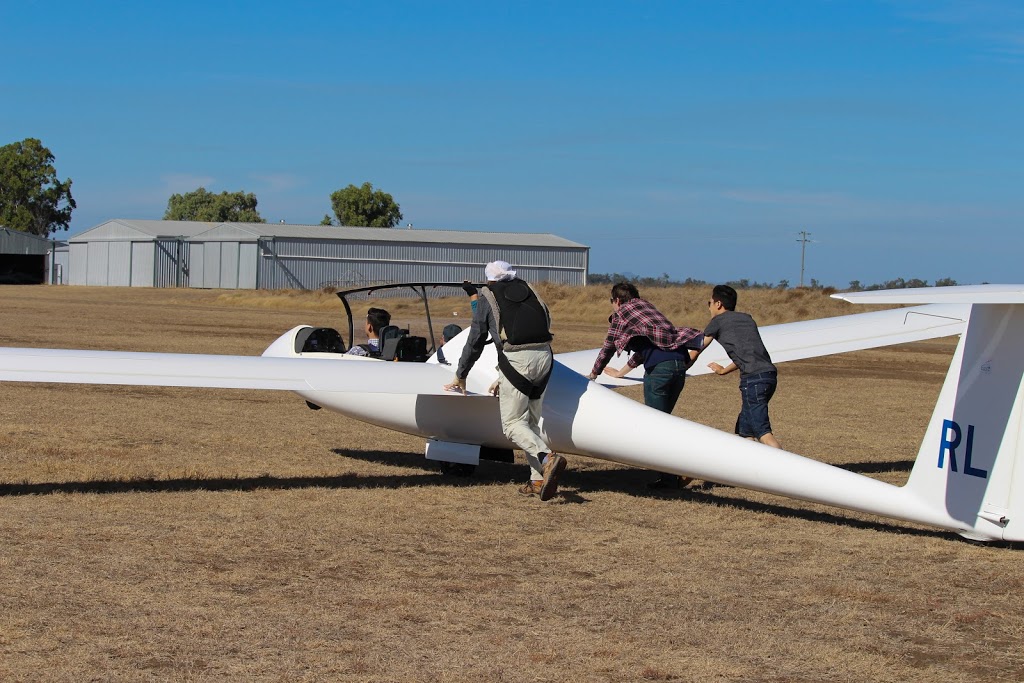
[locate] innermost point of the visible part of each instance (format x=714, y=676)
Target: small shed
x=23, y=257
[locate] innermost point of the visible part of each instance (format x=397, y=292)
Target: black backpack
x=521, y=315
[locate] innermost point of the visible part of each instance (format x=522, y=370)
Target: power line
x=803, y=249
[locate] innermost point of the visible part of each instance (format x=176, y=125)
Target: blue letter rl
x=949, y=441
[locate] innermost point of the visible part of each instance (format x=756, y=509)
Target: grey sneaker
x=553, y=467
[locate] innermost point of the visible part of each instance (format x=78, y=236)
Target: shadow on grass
x=268, y=482
x=577, y=484
x=427, y=474
x=634, y=482
x=878, y=467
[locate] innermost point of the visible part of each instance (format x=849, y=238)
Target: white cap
x=496, y=271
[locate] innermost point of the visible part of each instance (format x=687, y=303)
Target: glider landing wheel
x=457, y=469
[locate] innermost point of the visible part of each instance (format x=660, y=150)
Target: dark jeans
x=663, y=384
x=756, y=390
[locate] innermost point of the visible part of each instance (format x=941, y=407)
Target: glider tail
x=970, y=465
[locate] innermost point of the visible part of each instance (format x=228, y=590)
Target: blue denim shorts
x=756, y=390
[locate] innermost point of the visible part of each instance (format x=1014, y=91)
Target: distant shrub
x=855, y=285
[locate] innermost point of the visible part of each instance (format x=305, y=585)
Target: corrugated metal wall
x=170, y=265
x=311, y=264
x=18, y=242
x=304, y=263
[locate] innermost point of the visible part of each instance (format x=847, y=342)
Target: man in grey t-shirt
x=738, y=335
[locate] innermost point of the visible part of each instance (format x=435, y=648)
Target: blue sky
x=689, y=138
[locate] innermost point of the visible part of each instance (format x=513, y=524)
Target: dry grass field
x=194, y=535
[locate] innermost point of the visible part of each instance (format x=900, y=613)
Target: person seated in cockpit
x=376, y=318
x=449, y=333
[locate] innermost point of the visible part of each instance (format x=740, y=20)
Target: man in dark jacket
x=511, y=313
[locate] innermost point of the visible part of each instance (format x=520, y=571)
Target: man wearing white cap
x=511, y=313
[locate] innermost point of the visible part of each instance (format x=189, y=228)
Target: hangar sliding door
x=247, y=257
x=170, y=265
x=142, y=264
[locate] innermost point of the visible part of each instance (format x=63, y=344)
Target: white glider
x=965, y=478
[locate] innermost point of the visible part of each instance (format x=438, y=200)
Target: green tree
x=226, y=207
x=366, y=207
x=326, y=220
x=32, y=199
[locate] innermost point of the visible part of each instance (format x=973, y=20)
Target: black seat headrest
x=389, y=332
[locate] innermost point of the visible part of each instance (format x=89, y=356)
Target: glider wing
x=229, y=372
x=812, y=338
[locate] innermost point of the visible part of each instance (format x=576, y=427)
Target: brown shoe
x=554, y=466
x=532, y=488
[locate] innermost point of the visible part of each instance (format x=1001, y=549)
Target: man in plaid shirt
x=665, y=351
x=636, y=317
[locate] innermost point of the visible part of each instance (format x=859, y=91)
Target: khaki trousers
x=520, y=417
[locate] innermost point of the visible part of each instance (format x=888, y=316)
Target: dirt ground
x=193, y=535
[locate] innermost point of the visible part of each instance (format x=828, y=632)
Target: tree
x=326, y=220
x=226, y=207
x=31, y=198
x=366, y=207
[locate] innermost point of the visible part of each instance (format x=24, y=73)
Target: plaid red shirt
x=639, y=318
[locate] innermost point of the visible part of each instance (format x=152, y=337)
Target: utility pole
x=803, y=249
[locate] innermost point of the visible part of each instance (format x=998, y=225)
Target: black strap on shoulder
x=523, y=385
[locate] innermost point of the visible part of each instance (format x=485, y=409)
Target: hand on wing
x=493, y=389
x=621, y=372
x=716, y=368
x=457, y=385
x=591, y=377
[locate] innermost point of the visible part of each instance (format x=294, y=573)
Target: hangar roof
x=120, y=229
